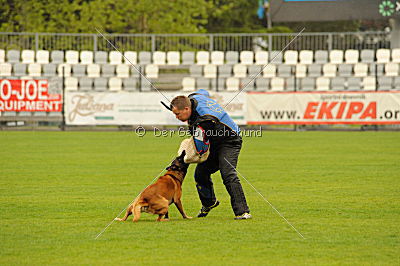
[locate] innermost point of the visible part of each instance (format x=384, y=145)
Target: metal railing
x=195, y=42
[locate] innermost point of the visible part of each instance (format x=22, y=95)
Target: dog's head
x=179, y=164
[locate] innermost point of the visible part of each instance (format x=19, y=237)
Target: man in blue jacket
x=212, y=128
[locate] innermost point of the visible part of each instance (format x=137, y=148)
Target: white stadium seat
x=232, y=84
x=115, y=58
x=71, y=84
x=301, y=71
x=202, y=58
x=122, y=71
x=247, y=57
x=86, y=57
x=64, y=69
x=72, y=57
x=42, y=57
x=210, y=71
x=261, y=58
x=291, y=57
x=360, y=70
x=323, y=83
x=130, y=57
x=392, y=69
x=115, y=84
x=269, y=71
x=383, y=56
x=277, y=84
x=336, y=57
x=395, y=55
x=329, y=70
x=173, y=58
x=217, y=57
x=93, y=70
x=188, y=84
x=159, y=58
x=13, y=56
x=369, y=83
x=151, y=71
x=240, y=71
x=351, y=56
x=306, y=57
x=5, y=69
x=34, y=70
x=28, y=57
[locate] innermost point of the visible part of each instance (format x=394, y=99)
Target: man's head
x=182, y=108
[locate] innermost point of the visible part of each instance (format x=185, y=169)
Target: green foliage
x=149, y=16
x=114, y=16
x=234, y=17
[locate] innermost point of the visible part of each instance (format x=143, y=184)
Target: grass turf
x=339, y=189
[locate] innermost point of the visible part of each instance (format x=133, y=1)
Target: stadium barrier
x=246, y=108
x=195, y=42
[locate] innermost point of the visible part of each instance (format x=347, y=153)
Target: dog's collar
x=174, y=177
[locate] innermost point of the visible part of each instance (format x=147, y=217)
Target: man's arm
x=201, y=140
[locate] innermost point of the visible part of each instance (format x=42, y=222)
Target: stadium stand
x=303, y=70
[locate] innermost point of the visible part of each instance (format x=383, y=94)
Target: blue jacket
x=206, y=112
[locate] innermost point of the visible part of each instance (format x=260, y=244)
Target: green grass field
x=341, y=190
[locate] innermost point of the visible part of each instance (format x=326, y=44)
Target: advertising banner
x=234, y=104
x=323, y=108
x=28, y=96
x=136, y=108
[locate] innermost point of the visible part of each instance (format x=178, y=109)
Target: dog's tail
x=129, y=211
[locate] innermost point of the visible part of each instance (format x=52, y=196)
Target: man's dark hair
x=180, y=102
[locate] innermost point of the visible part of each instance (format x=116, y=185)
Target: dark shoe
x=205, y=210
x=244, y=216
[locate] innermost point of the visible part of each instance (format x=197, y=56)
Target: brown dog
x=157, y=197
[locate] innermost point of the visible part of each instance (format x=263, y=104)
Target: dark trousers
x=216, y=161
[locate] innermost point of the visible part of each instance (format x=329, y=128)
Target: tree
x=114, y=16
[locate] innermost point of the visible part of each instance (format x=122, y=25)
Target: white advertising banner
x=323, y=108
x=136, y=108
x=234, y=103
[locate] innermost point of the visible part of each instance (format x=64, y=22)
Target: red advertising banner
x=28, y=95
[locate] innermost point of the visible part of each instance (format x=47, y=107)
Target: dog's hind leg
x=160, y=207
x=136, y=212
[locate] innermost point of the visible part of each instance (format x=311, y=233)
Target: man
x=213, y=129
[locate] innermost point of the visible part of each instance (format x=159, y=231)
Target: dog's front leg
x=178, y=205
